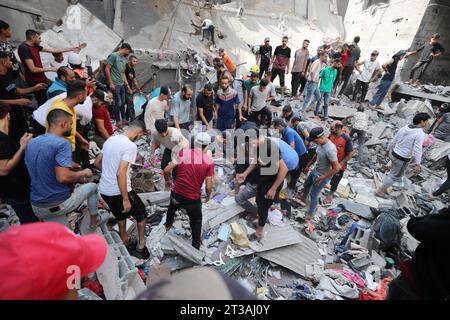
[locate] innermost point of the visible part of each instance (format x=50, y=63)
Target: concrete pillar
x=108, y=6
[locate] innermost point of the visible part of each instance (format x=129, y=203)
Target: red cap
x=34, y=260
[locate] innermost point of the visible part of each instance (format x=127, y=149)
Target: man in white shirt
x=312, y=85
x=156, y=109
x=368, y=75
x=406, y=146
x=208, y=26
x=119, y=153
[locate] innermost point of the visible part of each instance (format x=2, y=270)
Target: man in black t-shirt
x=9, y=95
x=429, y=52
x=205, y=106
x=265, y=55
x=281, y=61
x=131, y=86
x=14, y=179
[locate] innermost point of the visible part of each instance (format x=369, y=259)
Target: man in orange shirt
x=231, y=67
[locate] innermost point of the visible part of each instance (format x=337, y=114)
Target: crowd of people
x=46, y=173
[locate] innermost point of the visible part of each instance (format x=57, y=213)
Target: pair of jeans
x=362, y=87
x=298, y=80
x=119, y=102
x=311, y=187
x=398, y=169
x=247, y=192
x=129, y=114
x=295, y=174
x=446, y=185
x=382, y=90
x=58, y=212
x=211, y=31
x=422, y=65
x=312, y=89
x=326, y=100
x=194, y=211
x=22, y=208
x=346, y=74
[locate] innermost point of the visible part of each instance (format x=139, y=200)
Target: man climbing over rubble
x=208, y=27
x=180, y=109
x=275, y=159
x=173, y=141
x=326, y=167
x=156, y=109
x=280, y=63
x=312, y=85
x=359, y=127
x=299, y=69
x=231, y=66
x=368, y=75
x=429, y=51
x=194, y=167
x=264, y=57
x=406, y=146
x=119, y=153
x=344, y=147
x=293, y=139
x=53, y=173
x=226, y=100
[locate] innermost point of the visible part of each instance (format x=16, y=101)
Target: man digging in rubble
x=344, y=147
x=119, y=153
x=406, y=146
x=194, y=167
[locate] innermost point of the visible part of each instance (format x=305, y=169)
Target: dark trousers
x=361, y=134
x=263, y=67
x=446, y=185
x=41, y=96
x=262, y=117
x=211, y=31
x=298, y=82
x=399, y=289
x=119, y=103
x=262, y=203
x=38, y=130
x=362, y=87
x=278, y=72
x=129, y=113
x=22, y=208
x=335, y=180
x=422, y=65
x=194, y=211
x=346, y=74
x=295, y=174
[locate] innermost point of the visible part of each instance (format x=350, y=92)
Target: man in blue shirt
x=293, y=139
x=181, y=108
x=49, y=162
x=226, y=99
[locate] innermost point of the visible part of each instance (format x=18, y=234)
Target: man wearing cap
x=46, y=261
x=299, y=69
x=194, y=167
x=115, y=75
x=326, y=167
x=118, y=154
x=53, y=173
x=293, y=139
x=429, y=51
x=103, y=125
x=205, y=106
x=265, y=56
x=156, y=109
x=369, y=74
x=280, y=63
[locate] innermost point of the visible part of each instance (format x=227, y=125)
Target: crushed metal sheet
x=221, y=215
x=187, y=251
x=277, y=237
x=359, y=209
x=295, y=257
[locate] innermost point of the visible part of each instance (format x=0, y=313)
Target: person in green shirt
x=327, y=77
x=115, y=75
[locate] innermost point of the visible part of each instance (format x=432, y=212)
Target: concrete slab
x=340, y=112
x=376, y=131
x=186, y=250
x=366, y=200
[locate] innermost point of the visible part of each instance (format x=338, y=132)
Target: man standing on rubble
x=353, y=57
x=264, y=57
x=275, y=159
x=280, y=63
x=344, y=147
x=299, y=69
x=239, y=86
x=406, y=146
x=368, y=75
x=156, y=109
x=205, y=106
x=326, y=167
x=249, y=84
x=194, y=167
x=327, y=77
x=258, y=99
x=119, y=153
x=429, y=52
x=7, y=47
x=181, y=107
x=226, y=100
x=133, y=84
x=312, y=85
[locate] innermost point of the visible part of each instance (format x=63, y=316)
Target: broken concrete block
x=186, y=250
x=362, y=237
x=360, y=263
x=366, y=200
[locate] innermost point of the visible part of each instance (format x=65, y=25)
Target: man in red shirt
x=29, y=53
x=345, y=152
x=103, y=125
x=193, y=167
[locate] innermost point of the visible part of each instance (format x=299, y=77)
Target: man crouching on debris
x=119, y=152
x=406, y=146
x=193, y=167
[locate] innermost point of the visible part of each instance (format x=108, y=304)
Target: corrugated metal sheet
x=294, y=257
x=277, y=237
x=223, y=214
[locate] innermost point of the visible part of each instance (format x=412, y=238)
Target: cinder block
x=362, y=237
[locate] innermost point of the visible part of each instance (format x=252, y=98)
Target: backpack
x=388, y=230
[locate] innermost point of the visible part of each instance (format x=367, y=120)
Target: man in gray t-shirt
x=441, y=129
x=259, y=97
x=326, y=167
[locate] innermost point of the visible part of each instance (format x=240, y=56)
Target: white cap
x=203, y=139
x=74, y=59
